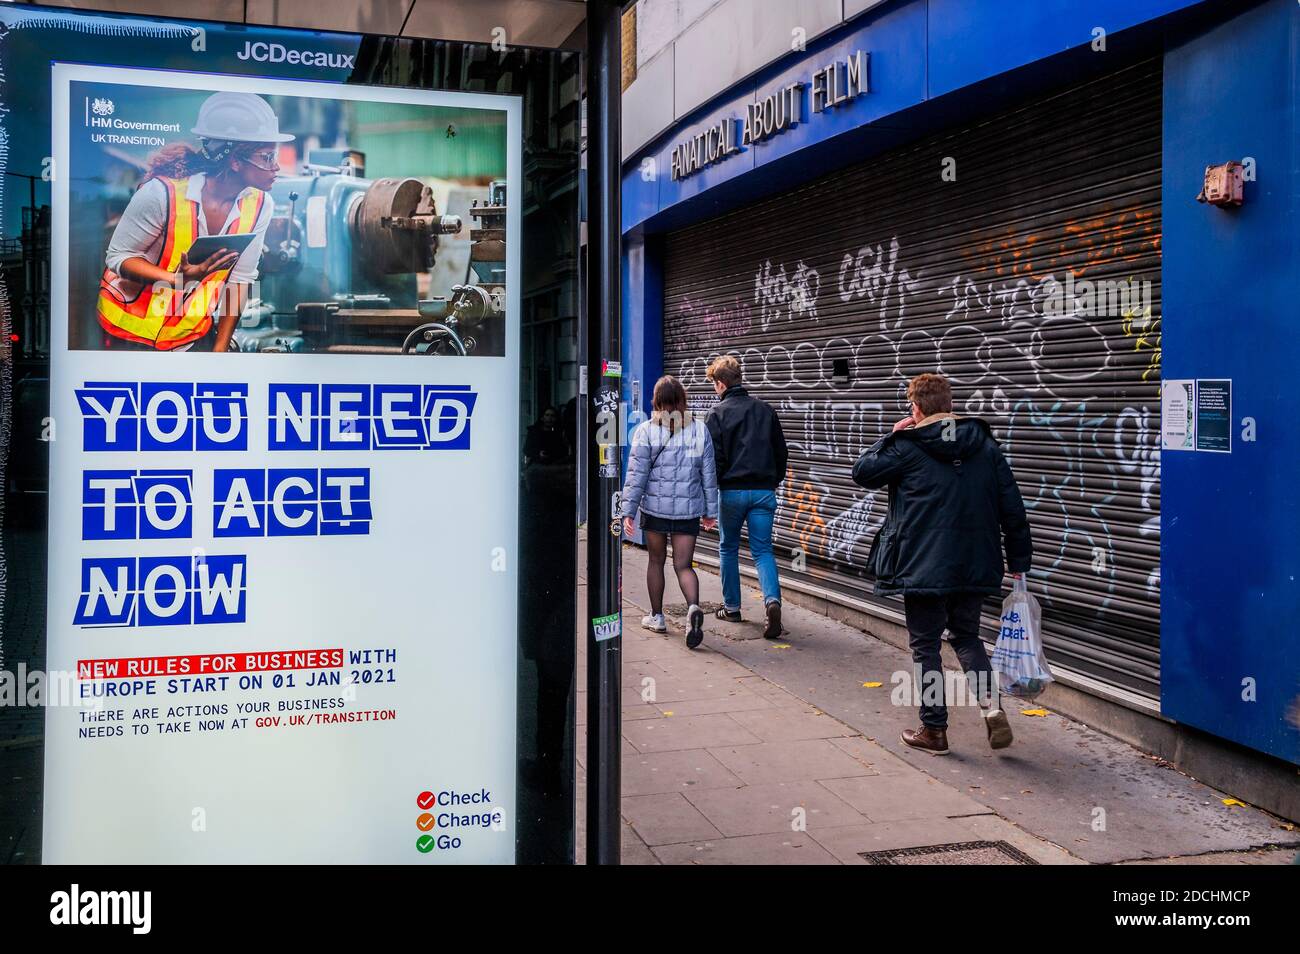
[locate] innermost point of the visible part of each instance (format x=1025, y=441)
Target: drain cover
x=958, y=853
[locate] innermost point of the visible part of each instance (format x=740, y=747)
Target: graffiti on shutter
x=1036, y=291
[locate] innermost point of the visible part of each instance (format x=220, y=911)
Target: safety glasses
x=266, y=160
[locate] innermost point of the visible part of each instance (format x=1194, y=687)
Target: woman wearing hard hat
x=152, y=296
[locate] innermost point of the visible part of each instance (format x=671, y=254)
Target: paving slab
x=778, y=807
x=779, y=849
x=788, y=761
x=640, y=650
x=685, y=770
x=900, y=797
x=636, y=670
x=634, y=851
x=641, y=710
x=737, y=699
x=704, y=662
x=690, y=732
x=866, y=751
x=784, y=724
x=771, y=691
x=673, y=687
x=666, y=819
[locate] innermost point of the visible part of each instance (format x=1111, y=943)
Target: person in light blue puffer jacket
x=672, y=482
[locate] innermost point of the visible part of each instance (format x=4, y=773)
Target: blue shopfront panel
x=972, y=41
x=1230, y=597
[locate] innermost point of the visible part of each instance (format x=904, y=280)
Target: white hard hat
x=238, y=117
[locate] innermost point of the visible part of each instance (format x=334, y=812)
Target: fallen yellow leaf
x=872, y=685
x=1232, y=801
x=1033, y=712
x=669, y=712
x=781, y=646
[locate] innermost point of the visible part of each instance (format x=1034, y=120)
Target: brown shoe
x=934, y=741
x=773, y=630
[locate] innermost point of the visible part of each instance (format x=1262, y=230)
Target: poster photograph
x=282, y=547
x=238, y=220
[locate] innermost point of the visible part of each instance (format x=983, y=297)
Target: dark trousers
x=927, y=618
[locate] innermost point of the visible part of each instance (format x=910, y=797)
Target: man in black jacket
x=951, y=493
x=750, y=452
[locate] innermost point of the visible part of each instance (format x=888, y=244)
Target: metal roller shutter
x=836, y=293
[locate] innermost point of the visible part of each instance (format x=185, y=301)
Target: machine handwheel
x=434, y=338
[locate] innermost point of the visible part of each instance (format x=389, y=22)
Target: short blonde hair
x=726, y=369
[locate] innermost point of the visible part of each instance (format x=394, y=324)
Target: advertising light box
x=284, y=493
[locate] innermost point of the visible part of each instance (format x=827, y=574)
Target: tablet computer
x=205, y=245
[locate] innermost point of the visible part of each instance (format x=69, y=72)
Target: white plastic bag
x=1018, y=657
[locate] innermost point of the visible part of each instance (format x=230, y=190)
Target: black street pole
x=604, y=539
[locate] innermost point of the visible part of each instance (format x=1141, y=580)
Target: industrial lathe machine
x=345, y=258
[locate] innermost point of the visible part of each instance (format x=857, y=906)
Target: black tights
x=656, y=545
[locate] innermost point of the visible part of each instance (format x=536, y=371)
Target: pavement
x=747, y=751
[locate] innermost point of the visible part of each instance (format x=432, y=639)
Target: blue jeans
x=758, y=507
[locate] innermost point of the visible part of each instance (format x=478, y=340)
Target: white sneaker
x=655, y=623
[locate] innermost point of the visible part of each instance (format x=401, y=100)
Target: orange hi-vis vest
x=155, y=314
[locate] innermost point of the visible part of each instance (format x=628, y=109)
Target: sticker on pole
x=612, y=369
x=606, y=627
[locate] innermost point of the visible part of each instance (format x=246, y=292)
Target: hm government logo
x=102, y=107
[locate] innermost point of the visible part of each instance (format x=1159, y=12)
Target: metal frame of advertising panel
x=311, y=600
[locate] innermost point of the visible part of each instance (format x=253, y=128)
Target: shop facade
x=1009, y=197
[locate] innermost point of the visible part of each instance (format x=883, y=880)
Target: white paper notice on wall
x=1178, y=415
